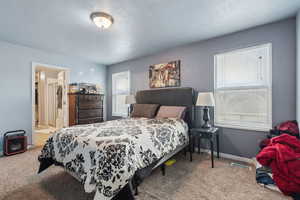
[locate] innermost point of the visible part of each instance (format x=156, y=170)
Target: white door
x=52, y=104
x=62, y=98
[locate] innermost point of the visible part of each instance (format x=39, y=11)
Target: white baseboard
x=228, y=156
x=222, y=155
x=30, y=146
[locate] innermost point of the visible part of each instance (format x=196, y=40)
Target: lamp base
x=206, y=125
x=206, y=118
x=129, y=111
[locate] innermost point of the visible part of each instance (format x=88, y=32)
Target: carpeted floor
x=183, y=181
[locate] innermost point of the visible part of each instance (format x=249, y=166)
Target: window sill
x=240, y=127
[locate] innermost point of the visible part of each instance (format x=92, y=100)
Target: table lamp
x=129, y=100
x=206, y=99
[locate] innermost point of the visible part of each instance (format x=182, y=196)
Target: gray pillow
x=171, y=112
x=144, y=110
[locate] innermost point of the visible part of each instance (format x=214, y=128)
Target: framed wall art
x=165, y=75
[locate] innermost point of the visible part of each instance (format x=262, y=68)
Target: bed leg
x=133, y=187
x=191, y=148
x=163, y=169
x=136, y=191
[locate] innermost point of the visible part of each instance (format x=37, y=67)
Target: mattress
x=105, y=156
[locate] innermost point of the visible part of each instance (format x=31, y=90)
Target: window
x=243, y=88
x=120, y=89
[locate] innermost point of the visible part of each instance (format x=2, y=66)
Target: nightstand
x=210, y=134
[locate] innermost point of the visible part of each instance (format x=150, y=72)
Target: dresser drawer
x=89, y=101
x=90, y=121
x=93, y=113
x=85, y=108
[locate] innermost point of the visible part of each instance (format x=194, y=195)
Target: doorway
x=50, y=101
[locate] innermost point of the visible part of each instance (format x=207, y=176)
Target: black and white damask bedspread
x=105, y=156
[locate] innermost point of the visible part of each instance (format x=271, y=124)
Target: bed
x=107, y=157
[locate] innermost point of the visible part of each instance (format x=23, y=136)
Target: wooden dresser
x=85, y=108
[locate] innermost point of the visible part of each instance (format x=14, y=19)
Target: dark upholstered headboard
x=169, y=97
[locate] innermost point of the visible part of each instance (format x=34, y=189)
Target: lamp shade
x=205, y=99
x=130, y=99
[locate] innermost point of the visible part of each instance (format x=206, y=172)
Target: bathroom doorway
x=50, y=101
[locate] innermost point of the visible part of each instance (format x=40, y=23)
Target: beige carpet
x=183, y=181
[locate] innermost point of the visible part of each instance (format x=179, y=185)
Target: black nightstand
x=210, y=134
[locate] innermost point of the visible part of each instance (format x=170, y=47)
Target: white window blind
x=120, y=89
x=243, y=88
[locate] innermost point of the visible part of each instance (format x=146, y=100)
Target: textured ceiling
x=141, y=27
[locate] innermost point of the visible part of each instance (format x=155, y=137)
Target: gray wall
x=298, y=65
x=197, y=72
x=15, y=82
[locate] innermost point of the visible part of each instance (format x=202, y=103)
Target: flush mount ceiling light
x=102, y=20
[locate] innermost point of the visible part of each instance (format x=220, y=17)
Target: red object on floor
x=14, y=142
x=289, y=127
x=282, y=154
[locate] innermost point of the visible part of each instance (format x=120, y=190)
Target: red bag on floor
x=289, y=127
x=282, y=154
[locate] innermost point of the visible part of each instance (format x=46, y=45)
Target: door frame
x=34, y=66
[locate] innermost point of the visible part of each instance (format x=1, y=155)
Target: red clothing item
x=282, y=154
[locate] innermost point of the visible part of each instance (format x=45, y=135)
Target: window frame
x=113, y=77
x=247, y=126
